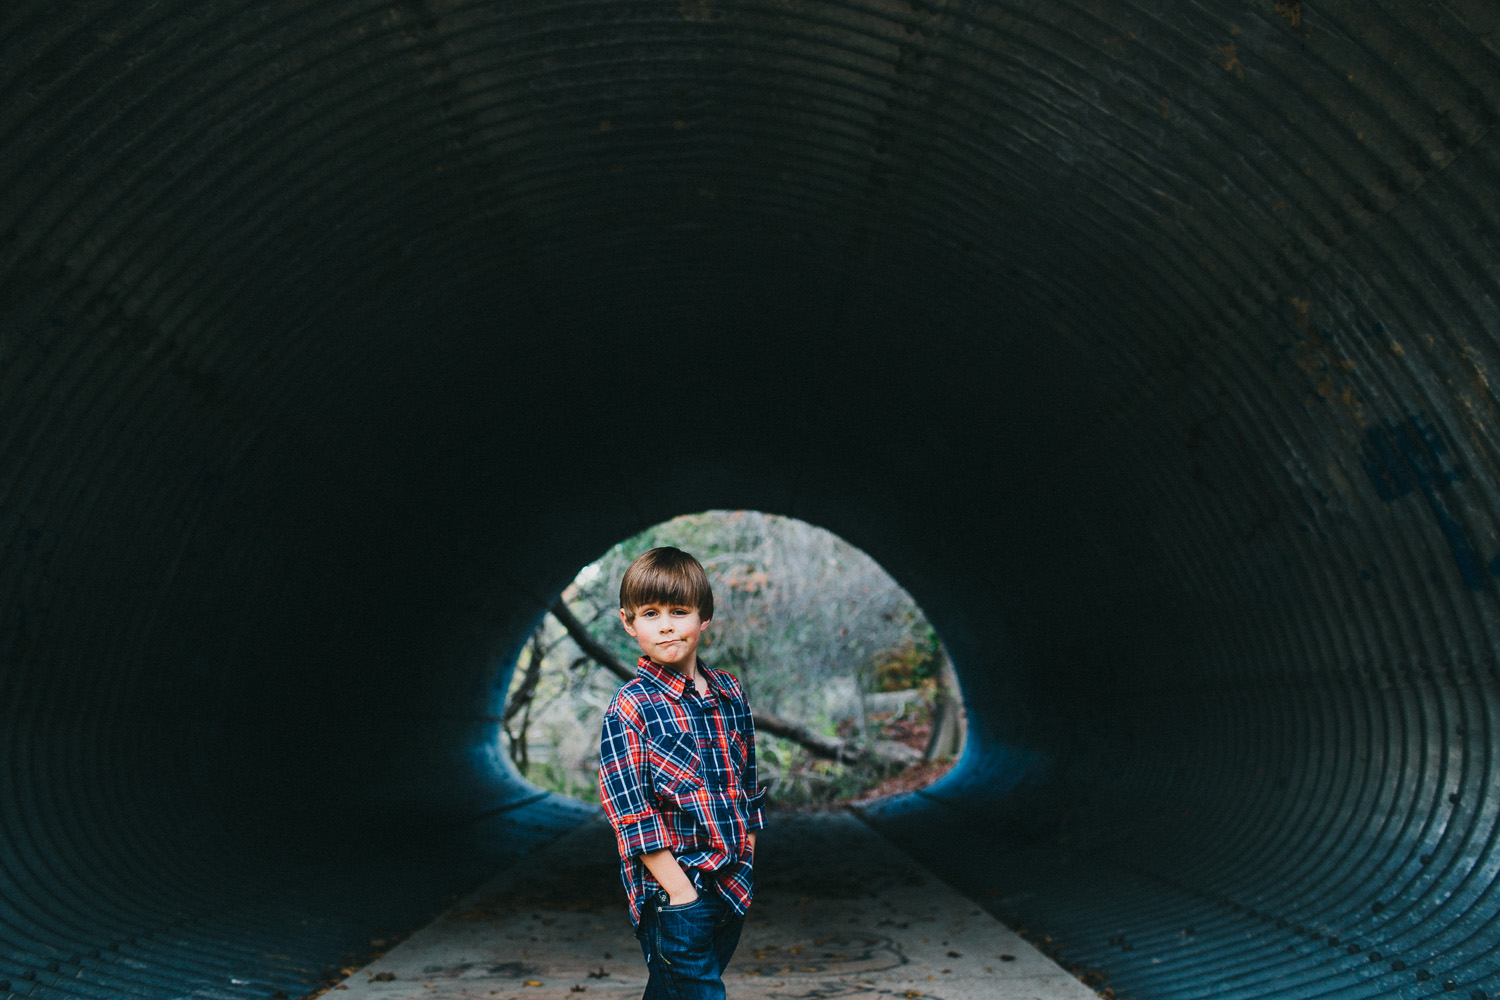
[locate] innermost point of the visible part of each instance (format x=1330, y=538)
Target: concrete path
x=839, y=912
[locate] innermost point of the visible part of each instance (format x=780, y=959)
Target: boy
x=677, y=779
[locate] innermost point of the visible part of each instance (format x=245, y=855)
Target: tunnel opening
x=855, y=693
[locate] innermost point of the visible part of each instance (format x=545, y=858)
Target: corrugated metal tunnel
x=1150, y=346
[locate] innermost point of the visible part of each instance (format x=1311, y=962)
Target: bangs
x=662, y=588
x=667, y=576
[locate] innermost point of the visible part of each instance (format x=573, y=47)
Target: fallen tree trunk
x=825, y=747
x=949, y=723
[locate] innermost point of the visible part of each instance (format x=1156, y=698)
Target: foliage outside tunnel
x=817, y=633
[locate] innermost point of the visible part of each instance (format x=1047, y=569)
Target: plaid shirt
x=677, y=770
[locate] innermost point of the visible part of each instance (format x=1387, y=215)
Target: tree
x=828, y=748
x=808, y=623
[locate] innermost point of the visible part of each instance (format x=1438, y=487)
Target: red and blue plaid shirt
x=677, y=771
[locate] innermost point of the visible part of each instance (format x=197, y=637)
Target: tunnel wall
x=1150, y=346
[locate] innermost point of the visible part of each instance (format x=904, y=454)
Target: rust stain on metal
x=1230, y=60
x=1328, y=368
x=700, y=10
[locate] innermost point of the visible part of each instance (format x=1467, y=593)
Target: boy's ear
x=626, y=619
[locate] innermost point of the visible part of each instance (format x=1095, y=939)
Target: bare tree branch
x=826, y=747
x=521, y=703
x=844, y=751
x=596, y=650
x=527, y=690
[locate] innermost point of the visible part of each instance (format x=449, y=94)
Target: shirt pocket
x=676, y=768
x=738, y=753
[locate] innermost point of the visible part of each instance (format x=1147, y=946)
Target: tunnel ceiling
x=1150, y=345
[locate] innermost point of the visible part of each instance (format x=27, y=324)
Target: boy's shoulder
x=631, y=695
x=726, y=682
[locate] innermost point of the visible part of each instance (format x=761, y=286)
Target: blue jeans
x=687, y=947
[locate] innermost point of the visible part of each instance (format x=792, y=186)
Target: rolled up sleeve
x=750, y=781
x=638, y=825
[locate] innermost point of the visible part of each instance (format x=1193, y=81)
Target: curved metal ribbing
x=1151, y=346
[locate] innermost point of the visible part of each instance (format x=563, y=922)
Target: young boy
x=677, y=778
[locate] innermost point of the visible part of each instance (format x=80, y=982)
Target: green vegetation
x=815, y=630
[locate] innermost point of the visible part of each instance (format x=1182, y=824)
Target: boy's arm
x=663, y=865
x=639, y=828
x=750, y=781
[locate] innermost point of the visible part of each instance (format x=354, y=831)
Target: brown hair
x=666, y=576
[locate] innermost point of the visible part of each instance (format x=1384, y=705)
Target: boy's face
x=668, y=633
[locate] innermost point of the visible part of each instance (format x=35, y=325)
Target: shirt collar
x=671, y=681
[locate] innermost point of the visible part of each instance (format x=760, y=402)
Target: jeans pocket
x=680, y=907
x=684, y=934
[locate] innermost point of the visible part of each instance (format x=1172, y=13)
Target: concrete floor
x=839, y=912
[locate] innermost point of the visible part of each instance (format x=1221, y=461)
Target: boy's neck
x=688, y=670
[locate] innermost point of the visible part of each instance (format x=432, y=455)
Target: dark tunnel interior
x=1151, y=346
